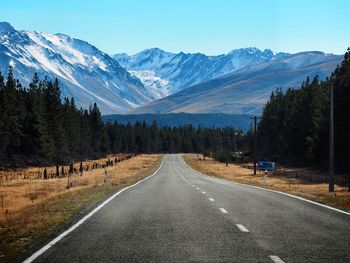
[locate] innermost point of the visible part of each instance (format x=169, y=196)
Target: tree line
x=38, y=128
x=295, y=124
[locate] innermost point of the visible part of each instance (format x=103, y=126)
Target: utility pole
x=331, y=142
x=255, y=118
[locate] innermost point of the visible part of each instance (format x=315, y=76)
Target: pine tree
x=84, y=147
x=341, y=80
x=295, y=124
x=58, y=133
x=2, y=117
x=154, y=134
x=54, y=108
x=96, y=129
x=71, y=125
x=36, y=125
x=130, y=136
x=105, y=141
x=12, y=115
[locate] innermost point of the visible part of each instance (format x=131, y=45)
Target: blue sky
x=207, y=26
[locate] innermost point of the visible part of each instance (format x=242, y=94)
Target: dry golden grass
x=286, y=183
x=32, y=173
x=33, y=208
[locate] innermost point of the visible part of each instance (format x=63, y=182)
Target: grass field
x=32, y=209
x=284, y=181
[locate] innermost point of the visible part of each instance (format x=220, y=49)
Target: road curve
x=179, y=215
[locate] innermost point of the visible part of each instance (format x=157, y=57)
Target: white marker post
x=106, y=178
x=265, y=177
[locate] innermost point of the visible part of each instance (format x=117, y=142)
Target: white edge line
x=223, y=210
x=76, y=225
x=276, y=259
x=242, y=228
x=275, y=191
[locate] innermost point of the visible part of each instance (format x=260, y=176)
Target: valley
x=174, y=131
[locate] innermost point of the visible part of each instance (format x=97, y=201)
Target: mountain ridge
x=138, y=83
x=246, y=90
x=84, y=71
x=181, y=70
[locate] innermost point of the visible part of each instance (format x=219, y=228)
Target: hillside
x=154, y=80
x=245, y=91
x=85, y=73
x=171, y=72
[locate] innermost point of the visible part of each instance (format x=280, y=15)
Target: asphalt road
x=179, y=215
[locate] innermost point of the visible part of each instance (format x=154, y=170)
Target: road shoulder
x=311, y=192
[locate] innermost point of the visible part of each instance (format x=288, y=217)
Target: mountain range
x=85, y=73
x=171, y=72
x=156, y=81
x=246, y=90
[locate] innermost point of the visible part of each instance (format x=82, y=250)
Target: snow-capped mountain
x=171, y=73
x=246, y=90
x=155, y=80
x=85, y=73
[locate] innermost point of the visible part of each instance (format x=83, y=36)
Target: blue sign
x=266, y=166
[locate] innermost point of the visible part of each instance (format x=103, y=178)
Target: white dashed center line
x=197, y=188
x=211, y=199
x=276, y=259
x=203, y=193
x=223, y=210
x=242, y=228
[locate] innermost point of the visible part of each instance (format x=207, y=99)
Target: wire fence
x=60, y=171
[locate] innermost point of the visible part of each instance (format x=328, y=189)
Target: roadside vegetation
x=294, y=127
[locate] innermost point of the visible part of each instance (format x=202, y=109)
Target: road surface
x=179, y=215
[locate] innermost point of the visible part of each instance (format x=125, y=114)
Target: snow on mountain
x=84, y=72
x=245, y=90
x=152, y=82
x=147, y=59
x=179, y=71
x=155, y=80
